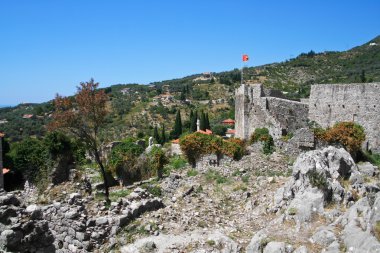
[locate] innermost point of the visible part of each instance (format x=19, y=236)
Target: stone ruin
x=256, y=107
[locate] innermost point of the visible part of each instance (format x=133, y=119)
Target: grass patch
x=177, y=162
x=245, y=178
x=212, y=175
x=292, y=211
x=376, y=230
x=211, y=243
x=153, y=189
x=115, y=195
x=192, y=173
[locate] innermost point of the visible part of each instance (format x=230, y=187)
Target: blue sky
x=49, y=46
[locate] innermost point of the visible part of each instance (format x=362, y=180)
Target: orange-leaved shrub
x=197, y=144
x=349, y=134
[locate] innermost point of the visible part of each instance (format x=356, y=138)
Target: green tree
x=219, y=130
x=163, y=135
x=202, y=124
x=155, y=135
x=178, y=125
x=193, y=122
x=207, y=122
x=363, y=78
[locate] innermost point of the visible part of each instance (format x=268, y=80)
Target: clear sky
x=49, y=46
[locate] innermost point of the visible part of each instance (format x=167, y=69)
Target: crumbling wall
x=332, y=103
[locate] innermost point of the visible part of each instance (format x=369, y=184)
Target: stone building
x=256, y=107
x=358, y=102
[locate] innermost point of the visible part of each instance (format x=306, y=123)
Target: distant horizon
x=48, y=47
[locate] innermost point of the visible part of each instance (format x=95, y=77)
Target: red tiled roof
x=5, y=170
x=228, y=121
x=27, y=116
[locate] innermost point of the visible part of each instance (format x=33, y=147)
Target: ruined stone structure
x=328, y=104
x=332, y=103
x=256, y=107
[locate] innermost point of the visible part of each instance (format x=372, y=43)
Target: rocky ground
x=324, y=202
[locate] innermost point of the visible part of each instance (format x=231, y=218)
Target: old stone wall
x=253, y=109
x=332, y=103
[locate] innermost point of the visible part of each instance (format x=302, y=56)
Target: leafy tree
x=84, y=118
x=29, y=157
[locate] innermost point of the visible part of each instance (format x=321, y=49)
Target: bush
x=262, y=135
x=123, y=161
x=349, y=134
x=197, y=144
x=157, y=160
x=219, y=130
x=177, y=162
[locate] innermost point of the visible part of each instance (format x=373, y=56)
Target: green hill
x=135, y=109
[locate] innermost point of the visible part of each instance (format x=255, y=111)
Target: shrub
x=349, y=134
x=262, y=135
x=157, y=160
x=177, y=162
x=219, y=130
x=197, y=144
x=124, y=162
x=317, y=180
x=192, y=173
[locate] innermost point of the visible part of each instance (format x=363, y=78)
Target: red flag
x=245, y=57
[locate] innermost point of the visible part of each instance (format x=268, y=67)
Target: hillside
x=135, y=109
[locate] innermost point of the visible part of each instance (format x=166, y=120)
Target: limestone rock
x=275, y=247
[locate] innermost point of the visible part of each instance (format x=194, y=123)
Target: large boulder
x=319, y=169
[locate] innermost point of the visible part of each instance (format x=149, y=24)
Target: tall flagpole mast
x=241, y=75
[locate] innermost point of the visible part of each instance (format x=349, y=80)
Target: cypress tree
x=193, y=122
x=178, y=125
x=203, y=121
x=191, y=119
x=155, y=135
x=207, y=122
x=163, y=135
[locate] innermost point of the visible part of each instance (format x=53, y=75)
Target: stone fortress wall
x=256, y=107
x=332, y=103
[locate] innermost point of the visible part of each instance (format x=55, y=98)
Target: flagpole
x=241, y=74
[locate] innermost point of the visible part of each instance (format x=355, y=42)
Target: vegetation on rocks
x=262, y=135
x=349, y=134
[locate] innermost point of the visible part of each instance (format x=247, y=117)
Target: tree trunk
x=97, y=158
